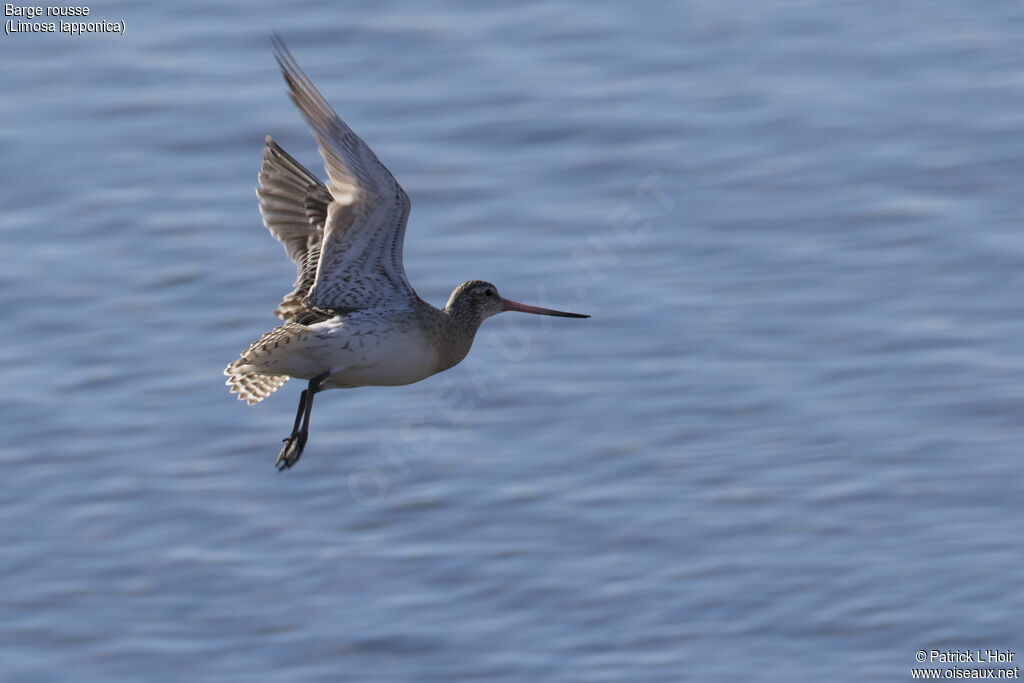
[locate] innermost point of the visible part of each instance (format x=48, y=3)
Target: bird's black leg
x=296, y=441
x=299, y=413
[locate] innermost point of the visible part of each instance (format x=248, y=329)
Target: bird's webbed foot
x=292, y=451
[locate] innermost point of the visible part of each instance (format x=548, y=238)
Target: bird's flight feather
x=358, y=218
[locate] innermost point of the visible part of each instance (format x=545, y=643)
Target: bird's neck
x=458, y=334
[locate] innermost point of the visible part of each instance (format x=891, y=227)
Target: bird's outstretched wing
x=359, y=264
x=293, y=203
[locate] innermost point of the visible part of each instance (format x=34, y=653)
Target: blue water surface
x=786, y=446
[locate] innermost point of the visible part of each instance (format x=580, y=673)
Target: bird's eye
x=488, y=292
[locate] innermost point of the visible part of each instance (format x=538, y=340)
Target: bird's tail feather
x=251, y=387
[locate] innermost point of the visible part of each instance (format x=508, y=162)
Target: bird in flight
x=352, y=319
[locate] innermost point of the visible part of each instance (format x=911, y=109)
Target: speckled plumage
x=352, y=318
x=293, y=203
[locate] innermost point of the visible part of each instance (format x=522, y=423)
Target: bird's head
x=475, y=300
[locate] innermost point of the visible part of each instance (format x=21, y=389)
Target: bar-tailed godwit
x=352, y=319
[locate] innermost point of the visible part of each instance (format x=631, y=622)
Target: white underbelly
x=382, y=360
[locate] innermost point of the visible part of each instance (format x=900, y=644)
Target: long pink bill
x=523, y=308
